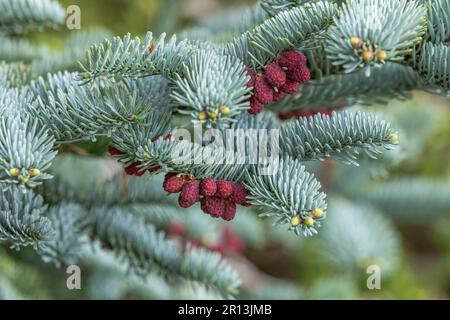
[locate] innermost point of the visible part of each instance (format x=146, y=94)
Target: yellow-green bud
x=296, y=220
x=317, y=213
x=15, y=172
x=224, y=110
x=202, y=116
x=213, y=115
x=309, y=222
x=24, y=180
x=394, y=138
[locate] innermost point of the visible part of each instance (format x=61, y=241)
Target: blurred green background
x=139, y=16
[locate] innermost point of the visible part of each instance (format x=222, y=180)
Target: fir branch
x=339, y=136
x=69, y=221
x=146, y=250
x=390, y=81
x=22, y=220
x=132, y=58
x=73, y=112
x=438, y=20
x=13, y=102
x=22, y=15
x=155, y=89
x=156, y=124
x=287, y=30
x=289, y=192
x=433, y=64
x=203, y=81
x=124, y=227
x=381, y=31
x=128, y=90
x=25, y=152
x=211, y=82
x=119, y=57
x=212, y=161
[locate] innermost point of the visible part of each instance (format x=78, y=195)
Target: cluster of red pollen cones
x=218, y=198
x=277, y=79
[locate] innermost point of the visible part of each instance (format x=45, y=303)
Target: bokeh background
x=283, y=265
